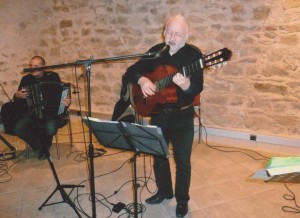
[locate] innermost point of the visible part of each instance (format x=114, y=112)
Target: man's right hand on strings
x=148, y=88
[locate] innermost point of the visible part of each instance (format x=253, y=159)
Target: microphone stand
x=88, y=65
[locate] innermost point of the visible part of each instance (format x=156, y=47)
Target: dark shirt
x=29, y=79
x=50, y=90
x=185, y=56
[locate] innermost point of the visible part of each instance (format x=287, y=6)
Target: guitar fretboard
x=186, y=71
x=213, y=59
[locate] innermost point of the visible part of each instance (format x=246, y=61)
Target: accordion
x=46, y=99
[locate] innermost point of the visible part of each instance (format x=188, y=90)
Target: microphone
x=162, y=51
x=31, y=70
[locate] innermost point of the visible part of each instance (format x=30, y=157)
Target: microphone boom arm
x=90, y=61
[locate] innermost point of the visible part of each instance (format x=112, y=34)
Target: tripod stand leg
x=135, y=186
x=60, y=188
x=12, y=153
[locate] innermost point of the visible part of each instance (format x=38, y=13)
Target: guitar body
x=152, y=104
x=162, y=77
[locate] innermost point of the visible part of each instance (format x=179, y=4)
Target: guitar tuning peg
x=225, y=62
x=216, y=66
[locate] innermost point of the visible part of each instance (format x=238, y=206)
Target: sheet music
x=280, y=169
x=261, y=175
x=128, y=136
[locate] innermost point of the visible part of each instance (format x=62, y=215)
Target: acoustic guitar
x=165, y=88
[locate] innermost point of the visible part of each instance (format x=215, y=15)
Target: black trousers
x=38, y=133
x=178, y=129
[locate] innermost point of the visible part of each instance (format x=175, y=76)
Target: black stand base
x=60, y=188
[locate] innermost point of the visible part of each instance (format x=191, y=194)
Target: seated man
x=36, y=130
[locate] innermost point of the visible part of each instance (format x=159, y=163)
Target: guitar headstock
x=218, y=58
x=219, y=65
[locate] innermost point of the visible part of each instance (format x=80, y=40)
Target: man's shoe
x=42, y=155
x=181, y=210
x=158, y=198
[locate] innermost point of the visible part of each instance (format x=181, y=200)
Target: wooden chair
x=67, y=122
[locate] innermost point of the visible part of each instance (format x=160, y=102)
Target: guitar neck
x=214, y=59
x=186, y=71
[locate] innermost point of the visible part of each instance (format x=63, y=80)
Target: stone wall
x=257, y=91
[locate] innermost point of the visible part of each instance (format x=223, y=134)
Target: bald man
x=174, y=117
x=38, y=132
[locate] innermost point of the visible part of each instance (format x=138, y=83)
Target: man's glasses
x=170, y=34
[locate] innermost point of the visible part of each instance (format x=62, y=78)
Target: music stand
x=130, y=137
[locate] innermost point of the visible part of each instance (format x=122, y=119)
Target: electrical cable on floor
x=82, y=156
x=147, y=178
x=76, y=200
x=143, y=182
x=100, y=201
x=7, y=155
x=4, y=168
x=233, y=149
x=130, y=209
x=290, y=197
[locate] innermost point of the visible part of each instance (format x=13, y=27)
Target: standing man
x=176, y=118
x=35, y=131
